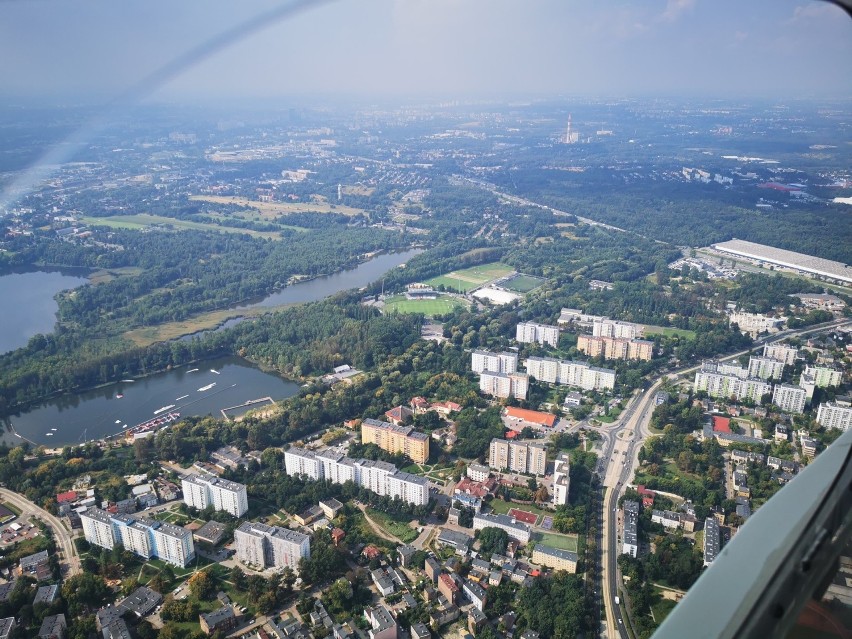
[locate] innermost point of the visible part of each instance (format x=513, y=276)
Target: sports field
x=668, y=331
x=521, y=283
x=554, y=540
x=145, y=220
x=444, y=304
x=470, y=278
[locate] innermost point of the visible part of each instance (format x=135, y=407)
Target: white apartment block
x=823, y=376
x=380, y=477
x=271, y=546
x=503, y=385
x=201, y=491
x=765, y=368
x=790, y=399
x=783, y=352
x=145, y=537
x=412, y=489
x=832, y=415
x=299, y=461
x=613, y=328
x=515, y=529
x=530, y=333
x=518, y=457
x=481, y=361
x=561, y=479
x=730, y=386
x=754, y=323
x=568, y=373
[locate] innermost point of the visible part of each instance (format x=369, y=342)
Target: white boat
x=206, y=388
x=53, y=429
x=192, y=370
x=117, y=421
x=128, y=381
x=49, y=434
x=215, y=371
x=163, y=409
x=181, y=397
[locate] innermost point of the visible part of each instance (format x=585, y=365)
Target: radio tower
x=568, y=132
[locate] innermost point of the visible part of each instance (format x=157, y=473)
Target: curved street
x=67, y=551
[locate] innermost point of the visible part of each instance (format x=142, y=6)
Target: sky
x=402, y=48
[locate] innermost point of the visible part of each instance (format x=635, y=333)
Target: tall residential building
x=145, y=537
x=518, y=457
x=504, y=362
x=201, y=491
x=380, y=477
x=782, y=352
x=530, y=333
x=725, y=386
x=765, y=368
x=613, y=328
x=396, y=439
x=299, y=461
x=561, y=479
x=271, y=546
x=576, y=374
x=832, y=415
x=823, y=376
x=503, y=385
x=790, y=399
x=615, y=347
x=711, y=540
x=630, y=544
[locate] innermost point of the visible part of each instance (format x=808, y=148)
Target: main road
x=68, y=553
x=621, y=457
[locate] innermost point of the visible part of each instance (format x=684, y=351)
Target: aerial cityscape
x=376, y=367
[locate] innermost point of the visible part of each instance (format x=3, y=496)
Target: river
x=190, y=390
x=28, y=304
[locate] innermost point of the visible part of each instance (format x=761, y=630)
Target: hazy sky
x=434, y=47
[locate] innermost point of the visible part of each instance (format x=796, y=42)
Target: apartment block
x=396, y=439
x=505, y=362
x=832, y=415
x=201, y=491
x=299, y=461
x=729, y=386
x=335, y=466
x=569, y=373
x=630, y=545
x=271, y=546
x=515, y=529
x=616, y=329
x=561, y=479
x=555, y=558
x=781, y=352
x=407, y=487
x=823, y=376
x=502, y=385
x=790, y=399
x=531, y=333
x=616, y=347
x=518, y=457
x=144, y=537
x=711, y=540
x=765, y=368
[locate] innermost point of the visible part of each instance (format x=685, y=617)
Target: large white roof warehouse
x=799, y=261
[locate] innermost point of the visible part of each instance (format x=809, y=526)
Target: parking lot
x=18, y=531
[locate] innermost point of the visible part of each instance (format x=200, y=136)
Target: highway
x=620, y=458
x=67, y=552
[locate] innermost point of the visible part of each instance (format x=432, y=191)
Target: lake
x=28, y=304
x=191, y=390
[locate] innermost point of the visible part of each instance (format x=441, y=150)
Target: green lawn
x=441, y=306
x=669, y=331
x=470, y=278
x=146, y=220
x=522, y=283
x=396, y=527
x=555, y=540
x=662, y=608
x=502, y=507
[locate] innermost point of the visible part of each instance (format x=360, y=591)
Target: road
x=620, y=458
x=67, y=552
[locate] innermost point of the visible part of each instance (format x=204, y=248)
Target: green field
x=444, y=304
x=502, y=507
x=470, y=278
x=555, y=540
x=522, y=283
x=669, y=331
x=397, y=528
x=144, y=220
